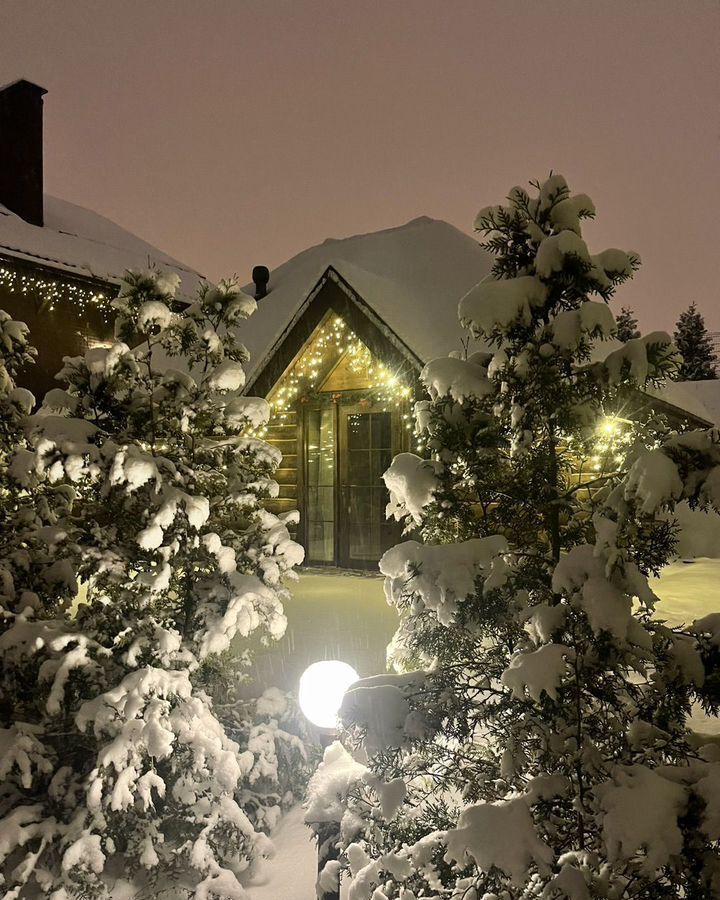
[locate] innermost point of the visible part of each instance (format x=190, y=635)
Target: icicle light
x=53, y=291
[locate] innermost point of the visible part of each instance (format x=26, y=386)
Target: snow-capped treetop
x=526, y=289
x=693, y=342
x=627, y=329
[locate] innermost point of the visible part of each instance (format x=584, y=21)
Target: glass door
x=319, y=440
x=368, y=439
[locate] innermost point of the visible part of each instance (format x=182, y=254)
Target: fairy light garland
x=614, y=440
x=604, y=451
x=332, y=341
x=53, y=291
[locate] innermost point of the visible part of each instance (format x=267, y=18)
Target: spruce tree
x=120, y=778
x=25, y=558
x=693, y=342
x=626, y=323
x=533, y=740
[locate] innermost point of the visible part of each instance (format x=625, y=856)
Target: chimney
x=21, y=149
x=261, y=276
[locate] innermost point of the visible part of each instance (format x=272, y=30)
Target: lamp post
x=321, y=690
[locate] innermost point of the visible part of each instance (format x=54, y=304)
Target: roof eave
x=54, y=267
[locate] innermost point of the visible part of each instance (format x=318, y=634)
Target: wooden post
x=328, y=834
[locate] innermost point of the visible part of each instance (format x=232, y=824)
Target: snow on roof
x=81, y=242
x=411, y=277
x=677, y=394
x=702, y=393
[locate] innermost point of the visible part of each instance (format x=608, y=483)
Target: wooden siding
x=283, y=435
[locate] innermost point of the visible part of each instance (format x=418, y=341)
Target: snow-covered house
x=59, y=263
x=337, y=345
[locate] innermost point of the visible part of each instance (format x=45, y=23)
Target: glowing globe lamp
x=322, y=687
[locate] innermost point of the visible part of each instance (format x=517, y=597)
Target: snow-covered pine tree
x=120, y=780
x=28, y=537
x=693, y=342
x=626, y=323
x=534, y=742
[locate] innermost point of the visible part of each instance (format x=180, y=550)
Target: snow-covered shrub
x=120, y=775
x=536, y=743
x=30, y=539
x=274, y=730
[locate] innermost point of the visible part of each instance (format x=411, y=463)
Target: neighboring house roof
x=676, y=394
x=698, y=394
x=411, y=278
x=81, y=242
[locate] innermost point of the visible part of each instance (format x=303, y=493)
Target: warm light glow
x=613, y=436
x=322, y=687
x=94, y=343
x=612, y=424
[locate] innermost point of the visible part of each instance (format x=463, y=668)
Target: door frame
x=303, y=480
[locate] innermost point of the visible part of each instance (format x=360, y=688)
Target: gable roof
x=410, y=278
x=81, y=242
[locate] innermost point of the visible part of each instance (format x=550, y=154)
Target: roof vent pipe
x=261, y=277
x=21, y=149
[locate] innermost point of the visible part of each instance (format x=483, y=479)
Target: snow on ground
x=342, y=615
x=688, y=590
x=338, y=615
x=291, y=874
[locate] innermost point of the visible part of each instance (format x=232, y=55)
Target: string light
x=52, y=291
x=602, y=451
x=613, y=441
x=332, y=341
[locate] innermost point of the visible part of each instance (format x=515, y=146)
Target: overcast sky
x=230, y=133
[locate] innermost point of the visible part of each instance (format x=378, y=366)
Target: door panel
x=368, y=438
